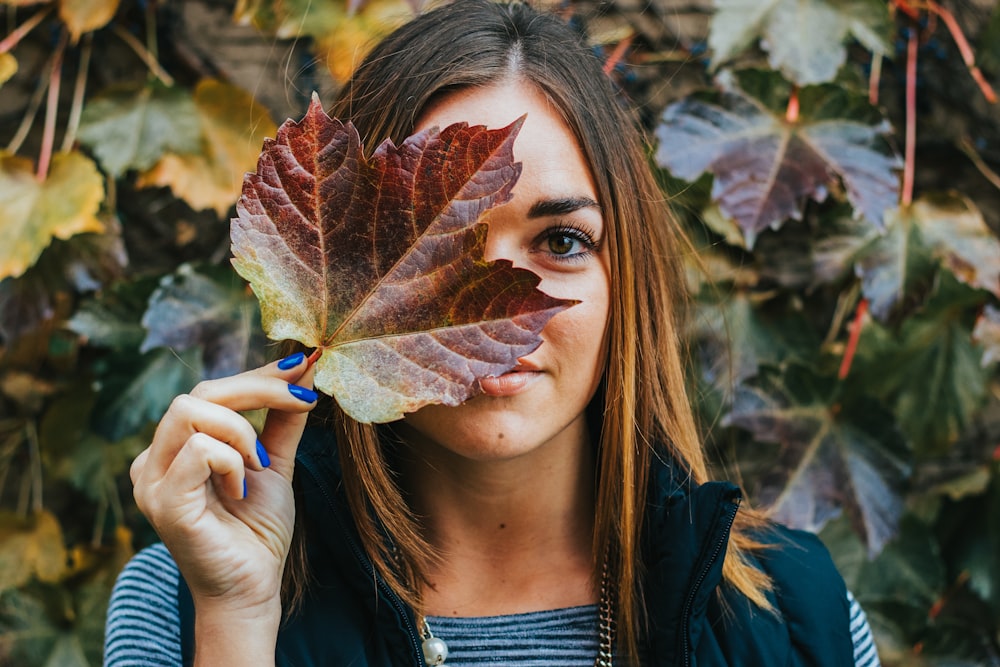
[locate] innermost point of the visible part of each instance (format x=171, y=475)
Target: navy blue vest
x=351, y=617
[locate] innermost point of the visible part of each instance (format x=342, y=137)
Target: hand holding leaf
x=379, y=261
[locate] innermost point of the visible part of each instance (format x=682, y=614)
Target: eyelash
x=575, y=232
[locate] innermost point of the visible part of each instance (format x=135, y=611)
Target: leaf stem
x=151, y=44
x=904, y=6
x=144, y=55
x=51, y=109
x=19, y=33
x=616, y=55
x=792, y=111
x=314, y=357
x=852, y=341
x=875, y=78
x=34, y=455
x=911, y=117
x=968, y=55
x=970, y=152
x=79, y=88
x=30, y=112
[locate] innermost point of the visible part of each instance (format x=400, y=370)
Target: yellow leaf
x=233, y=128
x=8, y=67
x=82, y=16
x=66, y=203
x=350, y=38
x=30, y=547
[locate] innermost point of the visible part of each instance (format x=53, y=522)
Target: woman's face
x=554, y=227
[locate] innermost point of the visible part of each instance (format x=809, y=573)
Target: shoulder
x=142, y=622
x=808, y=593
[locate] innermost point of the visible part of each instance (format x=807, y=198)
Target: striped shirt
x=143, y=627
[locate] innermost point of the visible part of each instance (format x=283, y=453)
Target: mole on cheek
x=499, y=436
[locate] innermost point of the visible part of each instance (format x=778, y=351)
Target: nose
x=501, y=243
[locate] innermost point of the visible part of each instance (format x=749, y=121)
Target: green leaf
x=137, y=391
x=213, y=313
x=379, y=261
x=765, y=166
x=112, y=319
x=931, y=373
x=834, y=456
x=131, y=127
x=736, y=333
x=804, y=38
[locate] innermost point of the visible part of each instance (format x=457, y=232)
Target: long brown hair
x=642, y=405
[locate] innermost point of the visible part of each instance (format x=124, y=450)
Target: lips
x=513, y=382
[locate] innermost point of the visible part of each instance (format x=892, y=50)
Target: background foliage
x=835, y=161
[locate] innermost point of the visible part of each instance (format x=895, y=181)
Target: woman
x=563, y=517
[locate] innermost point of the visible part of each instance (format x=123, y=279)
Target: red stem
x=314, y=357
x=51, y=108
x=964, y=48
x=11, y=40
x=792, y=111
x=852, y=341
x=904, y=6
x=617, y=54
x=911, y=117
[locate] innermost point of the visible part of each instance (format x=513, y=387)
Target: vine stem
x=144, y=55
x=852, y=341
x=79, y=88
x=970, y=152
x=51, y=107
x=904, y=6
x=35, y=456
x=968, y=55
x=911, y=117
x=621, y=48
x=19, y=33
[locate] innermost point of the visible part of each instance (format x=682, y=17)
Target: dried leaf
x=213, y=314
x=233, y=125
x=958, y=235
x=765, y=166
x=30, y=548
x=82, y=16
x=34, y=213
x=804, y=38
x=378, y=261
x=130, y=127
x=987, y=334
x=8, y=67
x=833, y=456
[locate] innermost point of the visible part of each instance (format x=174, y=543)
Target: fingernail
x=301, y=393
x=265, y=460
x=291, y=361
x=244, y=487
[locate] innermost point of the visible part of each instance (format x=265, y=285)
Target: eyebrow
x=560, y=206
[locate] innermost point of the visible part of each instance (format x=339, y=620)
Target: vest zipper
x=369, y=568
x=686, y=611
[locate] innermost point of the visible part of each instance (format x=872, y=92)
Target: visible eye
x=567, y=242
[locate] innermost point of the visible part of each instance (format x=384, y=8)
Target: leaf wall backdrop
x=837, y=162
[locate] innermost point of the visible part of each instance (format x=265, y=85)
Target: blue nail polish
x=244, y=487
x=301, y=393
x=265, y=460
x=291, y=361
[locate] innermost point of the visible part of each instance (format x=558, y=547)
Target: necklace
x=436, y=650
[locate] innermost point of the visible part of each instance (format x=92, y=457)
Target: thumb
x=283, y=429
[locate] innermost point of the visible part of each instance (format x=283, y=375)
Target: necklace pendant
x=435, y=651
